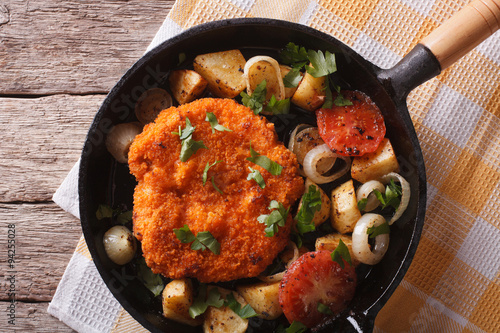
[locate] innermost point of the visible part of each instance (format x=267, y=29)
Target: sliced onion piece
x=261, y=68
x=120, y=138
x=293, y=135
x=289, y=255
x=405, y=196
x=119, y=244
x=313, y=160
x=365, y=191
x=360, y=246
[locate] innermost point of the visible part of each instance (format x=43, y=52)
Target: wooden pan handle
x=463, y=31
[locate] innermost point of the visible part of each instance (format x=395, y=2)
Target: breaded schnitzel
x=170, y=193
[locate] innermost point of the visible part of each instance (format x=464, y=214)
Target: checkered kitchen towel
x=453, y=282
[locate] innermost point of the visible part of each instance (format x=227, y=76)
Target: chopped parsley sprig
x=277, y=218
x=378, y=230
x=257, y=101
x=341, y=254
x=322, y=64
x=265, y=162
x=214, y=123
x=311, y=203
x=202, y=240
x=189, y=145
x=257, y=176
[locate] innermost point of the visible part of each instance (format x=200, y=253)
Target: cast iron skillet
x=102, y=180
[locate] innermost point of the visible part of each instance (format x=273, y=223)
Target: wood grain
x=41, y=140
x=45, y=238
x=78, y=47
x=33, y=317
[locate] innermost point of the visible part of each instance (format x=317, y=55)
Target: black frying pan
x=102, y=180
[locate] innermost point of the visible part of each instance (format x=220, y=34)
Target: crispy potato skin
x=170, y=193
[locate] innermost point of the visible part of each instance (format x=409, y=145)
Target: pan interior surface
x=102, y=180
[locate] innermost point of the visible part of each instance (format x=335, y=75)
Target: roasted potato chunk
x=224, y=319
x=177, y=297
x=263, y=298
x=186, y=85
x=345, y=212
x=375, y=165
x=331, y=241
x=223, y=71
x=310, y=93
x=323, y=214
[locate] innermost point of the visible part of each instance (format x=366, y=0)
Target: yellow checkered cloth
x=453, y=282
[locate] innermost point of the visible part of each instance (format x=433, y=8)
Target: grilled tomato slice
x=352, y=130
x=315, y=287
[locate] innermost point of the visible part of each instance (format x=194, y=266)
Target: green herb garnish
x=277, y=218
x=292, y=78
x=311, y=203
x=201, y=241
x=205, y=171
x=246, y=312
x=378, y=230
x=322, y=308
x=391, y=197
x=362, y=204
x=105, y=211
x=189, y=146
x=212, y=119
x=294, y=55
x=341, y=254
x=265, y=162
x=322, y=64
x=257, y=176
x=151, y=280
x=203, y=301
x=278, y=107
x=257, y=99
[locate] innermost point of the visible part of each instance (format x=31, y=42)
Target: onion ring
x=279, y=276
x=255, y=76
x=405, y=196
x=293, y=135
x=360, y=246
x=365, y=191
x=312, y=164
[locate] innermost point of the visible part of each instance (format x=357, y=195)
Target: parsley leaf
x=265, y=162
x=379, y=230
x=292, y=78
x=203, y=301
x=257, y=176
x=341, y=252
x=246, y=312
x=362, y=204
x=151, y=280
x=391, y=197
x=205, y=171
x=322, y=64
x=189, y=146
x=212, y=119
x=322, y=308
x=201, y=241
x=311, y=203
x=296, y=327
x=204, y=240
x=276, y=218
x=105, y=211
x=278, y=107
x=257, y=99
x=340, y=100
x=294, y=55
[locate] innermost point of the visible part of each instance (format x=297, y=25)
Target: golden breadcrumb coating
x=170, y=193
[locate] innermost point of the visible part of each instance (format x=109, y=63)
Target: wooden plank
x=81, y=47
x=41, y=140
x=31, y=317
x=44, y=240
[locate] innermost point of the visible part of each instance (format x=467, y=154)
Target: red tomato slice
x=312, y=279
x=352, y=130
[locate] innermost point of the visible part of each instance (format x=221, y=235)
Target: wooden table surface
x=58, y=60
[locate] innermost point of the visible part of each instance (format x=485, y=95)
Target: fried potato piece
x=170, y=193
